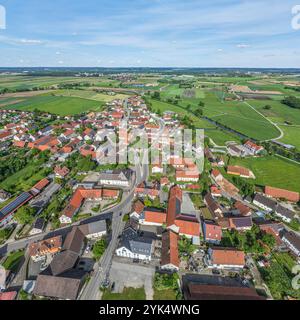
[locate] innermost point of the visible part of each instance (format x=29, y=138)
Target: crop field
x=89, y=94
x=272, y=171
x=58, y=105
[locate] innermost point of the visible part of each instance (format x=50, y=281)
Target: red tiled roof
x=8, y=295
x=237, y=170
x=282, y=193
x=41, y=184
x=20, y=144
x=228, y=257
x=213, y=231
x=155, y=216
x=170, y=253
x=175, y=198
x=109, y=193
x=188, y=226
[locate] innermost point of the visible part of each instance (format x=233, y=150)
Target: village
x=86, y=223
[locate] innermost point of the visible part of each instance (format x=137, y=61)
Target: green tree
x=99, y=248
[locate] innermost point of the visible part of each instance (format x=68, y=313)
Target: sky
x=149, y=33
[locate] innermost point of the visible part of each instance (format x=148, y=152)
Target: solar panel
x=22, y=198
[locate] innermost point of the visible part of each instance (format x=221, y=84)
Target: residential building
x=284, y=213
x=37, y=227
x=293, y=242
x=225, y=258
x=170, y=253
x=241, y=223
x=265, y=203
x=39, y=250
x=120, y=178
x=282, y=194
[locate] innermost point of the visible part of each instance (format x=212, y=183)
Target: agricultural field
x=90, y=95
x=58, y=105
x=291, y=135
x=272, y=171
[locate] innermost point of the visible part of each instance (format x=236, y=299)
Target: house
x=37, y=227
x=116, y=178
x=282, y=194
x=284, y=213
x=152, y=216
x=187, y=176
x=79, y=196
x=211, y=287
x=39, y=250
x=157, y=168
x=169, y=252
x=253, y=147
x=61, y=279
x=265, y=203
x=240, y=223
x=145, y=190
x=213, y=206
x=240, y=172
x=135, y=246
x=212, y=232
x=216, y=175
x=61, y=172
x=242, y=209
x=5, y=135
x=94, y=230
x=293, y=242
x=8, y=295
x=137, y=209
x=40, y=186
x=235, y=150
x=272, y=228
x=46, y=131
x=226, y=258
x=215, y=191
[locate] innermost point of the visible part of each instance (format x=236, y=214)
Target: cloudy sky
x=153, y=33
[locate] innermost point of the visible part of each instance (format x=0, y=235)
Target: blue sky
x=150, y=33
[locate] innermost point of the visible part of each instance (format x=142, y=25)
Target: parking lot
x=125, y=275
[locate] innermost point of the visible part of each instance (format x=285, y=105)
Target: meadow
x=272, y=171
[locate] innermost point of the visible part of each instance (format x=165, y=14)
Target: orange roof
x=174, y=204
x=41, y=184
x=20, y=144
x=189, y=227
x=109, y=193
x=138, y=206
x=52, y=245
x=212, y=231
x=170, y=253
x=215, y=173
x=282, y=193
x=244, y=210
x=228, y=257
x=237, y=170
x=155, y=216
x=8, y=295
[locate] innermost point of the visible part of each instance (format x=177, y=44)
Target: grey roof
x=123, y=175
x=284, y=211
x=93, y=227
x=39, y=224
x=66, y=286
x=136, y=243
x=292, y=238
x=74, y=240
x=63, y=262
x=242, y=222
x=270, y=203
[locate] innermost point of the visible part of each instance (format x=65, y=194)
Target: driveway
x=132, y=275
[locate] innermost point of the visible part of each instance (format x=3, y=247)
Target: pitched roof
x=51, y=245
x=282, y=193
x=222, y=256
x=240, y=222
x=174, y=204
x=170, y=253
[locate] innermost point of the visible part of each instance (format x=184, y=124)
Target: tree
x=267, y=107
x=201, y=104
x=99, y=248
x=25, y=215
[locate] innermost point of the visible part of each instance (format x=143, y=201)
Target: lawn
x=220, y=137
x=167, y=294
x=58, y=105
x=13, y=260
x=127, y=294
x=272, y=171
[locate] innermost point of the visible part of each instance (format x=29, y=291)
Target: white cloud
x=243, y=46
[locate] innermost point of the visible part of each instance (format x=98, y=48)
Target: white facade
x=291, y=246
x=284, y=218
x=125, y=253
x=262, y=206
x=96, y=235
x=115, y=183
x=170, y=267
x=64, y=219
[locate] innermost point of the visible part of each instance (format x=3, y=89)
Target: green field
x=127, y=294
x=58, y=105
x=167, y=294
x=272, y=171
x=291, y=136
x=90, y=94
